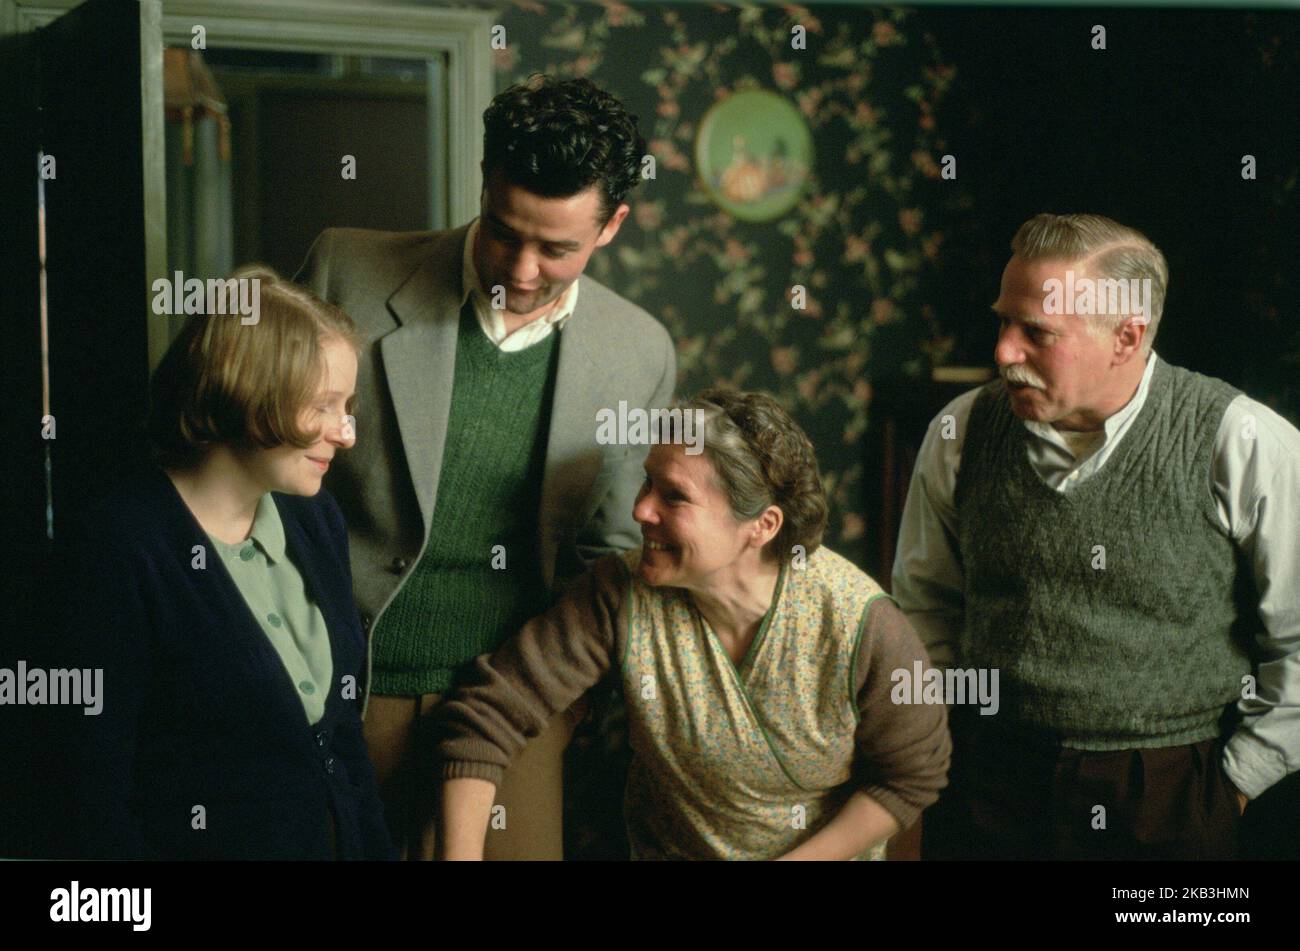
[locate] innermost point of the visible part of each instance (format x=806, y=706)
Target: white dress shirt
x=1255, y=479
x=490, y=319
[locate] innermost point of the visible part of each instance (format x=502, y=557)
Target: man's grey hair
x=1108, y=250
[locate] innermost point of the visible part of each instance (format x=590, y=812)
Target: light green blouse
x=274, y=591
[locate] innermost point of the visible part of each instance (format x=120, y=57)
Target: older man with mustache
x=1119, y=538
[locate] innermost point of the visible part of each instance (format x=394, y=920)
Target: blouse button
x=307, y=687
x=274, y=619
x=246, y=553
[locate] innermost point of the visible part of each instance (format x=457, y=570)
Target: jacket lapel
x=420, y=362
x=573, y=459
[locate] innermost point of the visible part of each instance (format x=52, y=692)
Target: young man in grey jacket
x=478, y=486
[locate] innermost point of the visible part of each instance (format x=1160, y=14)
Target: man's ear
x=1128, y=340
x=611, y=227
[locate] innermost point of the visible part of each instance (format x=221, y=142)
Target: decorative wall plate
x=753, y=153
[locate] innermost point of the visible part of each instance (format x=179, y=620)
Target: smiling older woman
x=755, y=664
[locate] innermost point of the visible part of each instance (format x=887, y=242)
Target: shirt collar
x=1113, y=423
x=268, y=530
x=469, y=284
x=1133, y=406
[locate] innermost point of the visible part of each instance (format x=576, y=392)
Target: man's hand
x=1242, y=798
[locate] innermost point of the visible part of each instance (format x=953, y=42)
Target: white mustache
x=1019, y=373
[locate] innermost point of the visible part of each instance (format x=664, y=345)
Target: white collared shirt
x=490, y=319
x=1256, y=486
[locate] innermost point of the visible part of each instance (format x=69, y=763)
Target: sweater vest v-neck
x=479, y=577
x=1117, y=614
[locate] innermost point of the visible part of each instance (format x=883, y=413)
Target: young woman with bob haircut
x=214, y=592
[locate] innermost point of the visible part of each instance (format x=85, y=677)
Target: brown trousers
x=1014, y=795
x=399, y=736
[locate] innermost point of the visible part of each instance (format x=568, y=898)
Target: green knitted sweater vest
x=1115, y=614
x=465, y=595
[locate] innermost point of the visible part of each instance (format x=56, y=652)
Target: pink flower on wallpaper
x=674, y=242
x=926, y=121
x=855, y=249
x=853, y=526
x=668, y=108
x=667, y=155
x=803, y=17
x=734, y=252
x=649, y=214
x=615, y=13
x=909, y=219
x=809, y=102
x=882, y=309
x=785, y=75
x=803, y=257
x=677, y=161
x=865, y=114
x=784, y=360
x=862, y=391
x=925, y=163
x=884, y=33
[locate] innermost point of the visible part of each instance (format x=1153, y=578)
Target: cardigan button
x=365, y=622
x=400, y=565
x=329, y=765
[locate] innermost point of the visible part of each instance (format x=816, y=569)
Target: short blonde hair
x=1108, y=249
x=223, y=381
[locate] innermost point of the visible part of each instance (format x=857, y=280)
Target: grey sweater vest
x=1146, y=651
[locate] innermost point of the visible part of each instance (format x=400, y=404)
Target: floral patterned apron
x=742, y=761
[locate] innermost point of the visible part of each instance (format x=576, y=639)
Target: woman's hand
x=466, y=809
x=861, y=823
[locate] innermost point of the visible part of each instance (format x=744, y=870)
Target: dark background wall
x=900, y=265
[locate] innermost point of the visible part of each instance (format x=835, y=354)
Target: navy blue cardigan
x=198, y=709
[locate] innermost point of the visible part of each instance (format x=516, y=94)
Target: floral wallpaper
x=878, y=241
x=859, y=242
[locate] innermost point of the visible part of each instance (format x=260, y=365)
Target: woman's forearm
x=466, y=808
x=860, y=824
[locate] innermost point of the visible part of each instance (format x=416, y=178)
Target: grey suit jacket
x=403, y=289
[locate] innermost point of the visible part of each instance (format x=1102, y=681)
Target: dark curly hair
x=761, y=458
x=558, y=138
